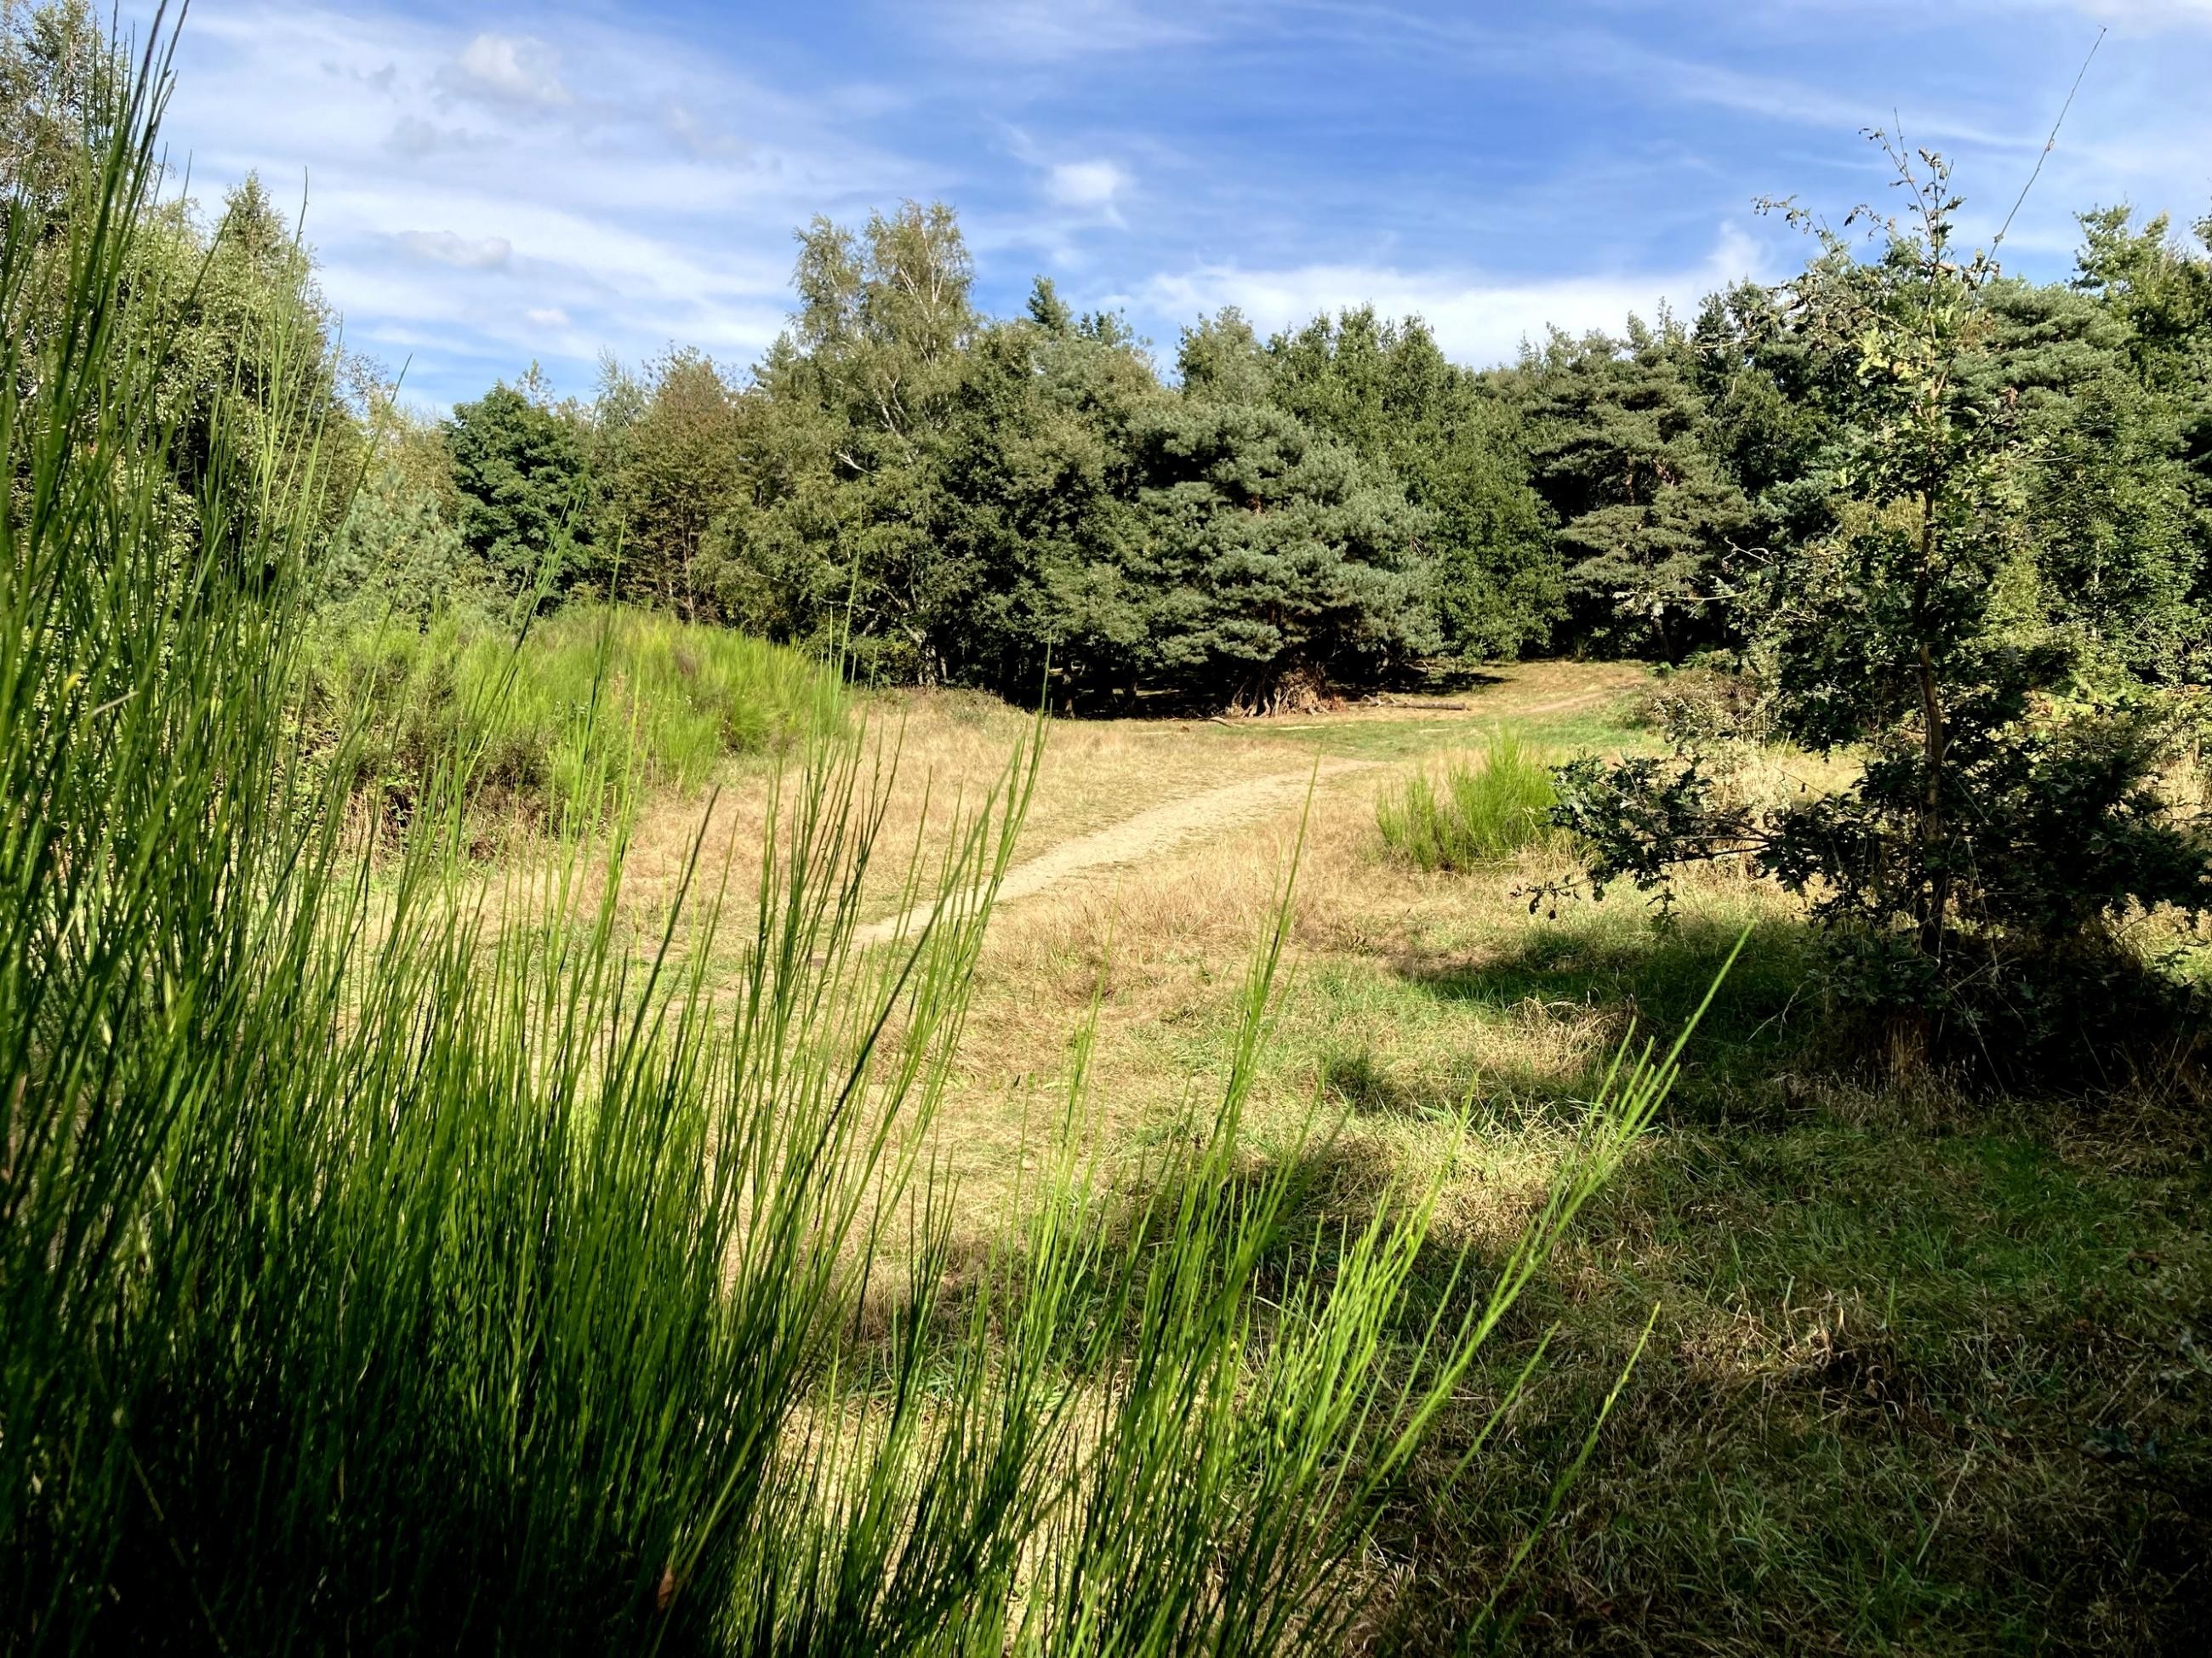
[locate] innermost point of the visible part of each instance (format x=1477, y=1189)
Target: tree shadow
x=1634, y=977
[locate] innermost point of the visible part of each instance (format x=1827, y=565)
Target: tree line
x=964, y=499
x=952, y=497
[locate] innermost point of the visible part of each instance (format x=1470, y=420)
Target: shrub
x=1475, y=816
x=1998, y=833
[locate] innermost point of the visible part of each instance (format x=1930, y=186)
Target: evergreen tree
x=1386, y=389
x=2161, y=293
x=1274, y=557
x=1624, y=454
x=1037, y=505
x=519, y=470
x=2106, y=553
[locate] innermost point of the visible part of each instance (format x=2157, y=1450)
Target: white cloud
x=519, y=67
x=605, y=210
x=1475, y=320
x=646, y=181
x=1096, y=185
x=444, y=247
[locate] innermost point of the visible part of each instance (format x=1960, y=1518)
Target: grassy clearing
x=1470, y=814
x=383, y=1270
x=541, y=723
x=1927, y=1374
x=613, y=1268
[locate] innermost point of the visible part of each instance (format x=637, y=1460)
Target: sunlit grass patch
x=1466, y=814
x=544, y=721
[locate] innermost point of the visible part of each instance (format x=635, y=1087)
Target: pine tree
x=1624, y=454
x=1386, y=390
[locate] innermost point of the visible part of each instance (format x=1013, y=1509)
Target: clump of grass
x=542, y=720
x=1474, y=816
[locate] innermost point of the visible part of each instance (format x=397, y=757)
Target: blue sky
x=492, y=185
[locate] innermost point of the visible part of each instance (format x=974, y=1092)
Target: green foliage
x=1035, y=505
x=1624, y=451
x=519, y=469
x=665, y=453
x=542, y=724
x=1994, y=826
x=1476, y=817
x=1274, y=556
x=1386, y=390
x=833, y=536
x=380, y=1268
x=397, y=550
x=57, y=79
x=2161, y=293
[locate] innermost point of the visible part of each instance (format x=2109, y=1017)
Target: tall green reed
x=1473, y=816
x=380, y=1272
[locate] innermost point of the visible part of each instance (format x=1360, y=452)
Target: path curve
x=1163, y=829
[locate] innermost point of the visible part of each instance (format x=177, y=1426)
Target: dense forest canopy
x=965, y=499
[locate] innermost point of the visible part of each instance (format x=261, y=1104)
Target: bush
x=1476, y=816
x=591, y=694
x=2001, y=830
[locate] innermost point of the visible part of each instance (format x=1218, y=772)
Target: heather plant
x=537, y=720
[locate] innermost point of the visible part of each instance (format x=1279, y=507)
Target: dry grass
x=1922, y=1375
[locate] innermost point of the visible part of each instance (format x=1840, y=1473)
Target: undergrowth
x=547, y=716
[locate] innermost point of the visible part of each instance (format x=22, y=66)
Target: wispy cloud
x=519, y=67
x=465, y=253
x=472, y=197
x=490, y=183
x=1094, y=186
x=1057, y=31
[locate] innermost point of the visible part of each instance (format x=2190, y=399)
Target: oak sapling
x=2004, y=821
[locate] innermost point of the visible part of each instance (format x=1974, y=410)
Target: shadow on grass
x=1619, y=967
x=1897, y=1392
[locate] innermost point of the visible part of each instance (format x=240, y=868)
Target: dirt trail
x=1148, y=835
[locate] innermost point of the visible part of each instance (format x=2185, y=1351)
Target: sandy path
x=1148, y=835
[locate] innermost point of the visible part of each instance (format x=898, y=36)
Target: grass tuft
x=1474, y=816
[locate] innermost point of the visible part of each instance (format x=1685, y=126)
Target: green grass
x=542, y=721
x=1472, y=816
x=1927, y=1374
x=1908, y=1390
x=384, y=1271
